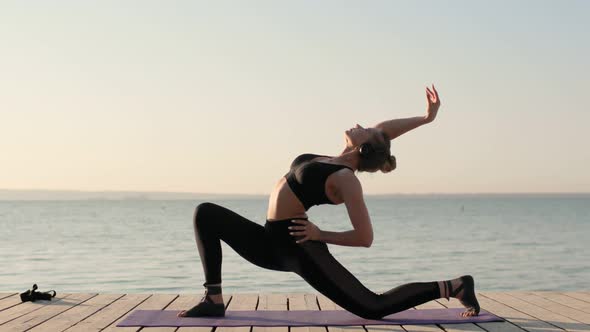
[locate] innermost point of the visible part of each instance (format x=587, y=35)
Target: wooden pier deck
x=524, y=311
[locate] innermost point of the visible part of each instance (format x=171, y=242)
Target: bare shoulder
x=347, y=185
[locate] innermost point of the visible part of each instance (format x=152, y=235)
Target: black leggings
x=272, y=247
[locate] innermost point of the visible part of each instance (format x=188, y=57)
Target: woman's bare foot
x=210, y=305
x=463, y=289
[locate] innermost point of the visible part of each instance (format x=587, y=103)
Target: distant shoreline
x=41, y=195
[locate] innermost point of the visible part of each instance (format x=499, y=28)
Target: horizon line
x=110, y=191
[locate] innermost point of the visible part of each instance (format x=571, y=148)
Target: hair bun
x=389, y=165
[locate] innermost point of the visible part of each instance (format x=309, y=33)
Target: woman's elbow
x=367, y=242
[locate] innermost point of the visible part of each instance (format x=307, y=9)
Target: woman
x=289, y=241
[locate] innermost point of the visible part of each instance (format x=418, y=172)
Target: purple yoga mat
x=303, y=318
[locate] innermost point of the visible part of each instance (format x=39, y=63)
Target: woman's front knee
x=201, y=212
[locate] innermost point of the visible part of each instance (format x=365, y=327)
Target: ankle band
x=213, y=290
x=449, y=289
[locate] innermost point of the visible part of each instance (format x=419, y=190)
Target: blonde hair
x=389, y=164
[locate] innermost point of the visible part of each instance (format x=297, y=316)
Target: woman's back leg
x=324, y=273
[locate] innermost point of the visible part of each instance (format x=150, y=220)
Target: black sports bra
x=307, y=179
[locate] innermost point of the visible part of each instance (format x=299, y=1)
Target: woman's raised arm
x=396, y=127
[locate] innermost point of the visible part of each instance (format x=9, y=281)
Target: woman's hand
x=306, y=228
x=433, y=103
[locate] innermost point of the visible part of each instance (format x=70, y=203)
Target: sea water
x=507, y=242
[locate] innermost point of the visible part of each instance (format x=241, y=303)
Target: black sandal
x=206, y=308
x=469, y=300
x=32, y=295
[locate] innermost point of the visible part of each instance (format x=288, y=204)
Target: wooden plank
x=78, y=313
x=538, y=313
x=240, y=302
x=303, y=301
x=9, y=301
x=25, y=308
x=50, y=310
x=271, y=301
x=574, y=314
x=327, y=304
x=524, y=311
x=518, y=314
x=5, y=295
x=519, y=319
x=154, y=302
x=565, y=300
x=579, y=296
x=385, y=328
x=110, y=313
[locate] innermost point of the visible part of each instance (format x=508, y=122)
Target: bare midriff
x=284, y=204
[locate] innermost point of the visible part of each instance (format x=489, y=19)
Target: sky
x=221, y=96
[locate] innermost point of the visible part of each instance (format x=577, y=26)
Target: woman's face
x=358, y=135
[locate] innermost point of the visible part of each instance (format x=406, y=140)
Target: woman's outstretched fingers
x=433, y=96
x=436, y=94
